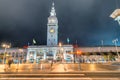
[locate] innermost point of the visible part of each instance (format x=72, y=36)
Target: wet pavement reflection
x=58, y=67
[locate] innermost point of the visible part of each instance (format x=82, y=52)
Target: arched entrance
x=40, y=57
x=68, y=58
x=49, y=56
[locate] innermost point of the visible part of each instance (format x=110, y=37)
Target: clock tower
x=52, y=28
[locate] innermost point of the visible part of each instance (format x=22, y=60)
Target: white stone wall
x=46, y=50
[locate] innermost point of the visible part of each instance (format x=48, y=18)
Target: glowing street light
x=116, y=15
x=5, y=46
x=61, y=50
x=78, y=52
x=60, y=44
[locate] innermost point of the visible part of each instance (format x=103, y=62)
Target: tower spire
x=53, y=4
x=52, y=28
x=53, y=13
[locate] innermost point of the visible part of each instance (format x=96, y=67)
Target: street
x=61, y=72
x=58, y=67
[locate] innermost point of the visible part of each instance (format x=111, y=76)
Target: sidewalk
x=46, y=68
x=59, y=68
x=25, y=68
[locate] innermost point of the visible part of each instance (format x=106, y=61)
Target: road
x=58, y=67
x=60, y=72
x=62, y=76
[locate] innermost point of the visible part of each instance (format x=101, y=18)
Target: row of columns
x=33, y=53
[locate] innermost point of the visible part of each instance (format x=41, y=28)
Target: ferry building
x=53, y=50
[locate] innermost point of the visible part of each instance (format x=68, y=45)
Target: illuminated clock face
x=52, y=30
x=52, y=21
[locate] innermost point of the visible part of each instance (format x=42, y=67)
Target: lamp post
x=78, y=52
x=20, y=52
x=115, y=42
x=5, y=46
x=30, y=61
x=4, y=56
x=61, y=49
x=116, y=15
x=60, y=44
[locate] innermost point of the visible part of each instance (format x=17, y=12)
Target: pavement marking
x=41, y=74
x=105, y=78
x=45, y=78
x=60, y=78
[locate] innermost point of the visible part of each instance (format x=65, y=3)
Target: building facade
x=40, y=53
x=17, y=54
x=51, y=51
x=48, y=53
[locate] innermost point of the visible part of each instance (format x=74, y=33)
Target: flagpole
x=101, y=46
x=102, y=42
x=76, y=42
x=32, y=43
x=28, y=43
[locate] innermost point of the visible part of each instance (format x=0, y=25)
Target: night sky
x=86, y=21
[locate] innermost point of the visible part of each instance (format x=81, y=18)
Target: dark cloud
x=86, y=21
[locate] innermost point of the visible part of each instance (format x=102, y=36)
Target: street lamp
x=78, y=52
x=18, y=64
x=115, y=42
x=61, y=50
x=116, y=15
x=4, y=55
x=60, y=44
x=20, y=52
x=5, y=46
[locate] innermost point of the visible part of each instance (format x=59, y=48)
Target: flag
x=68, y=40
x=34, y=42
